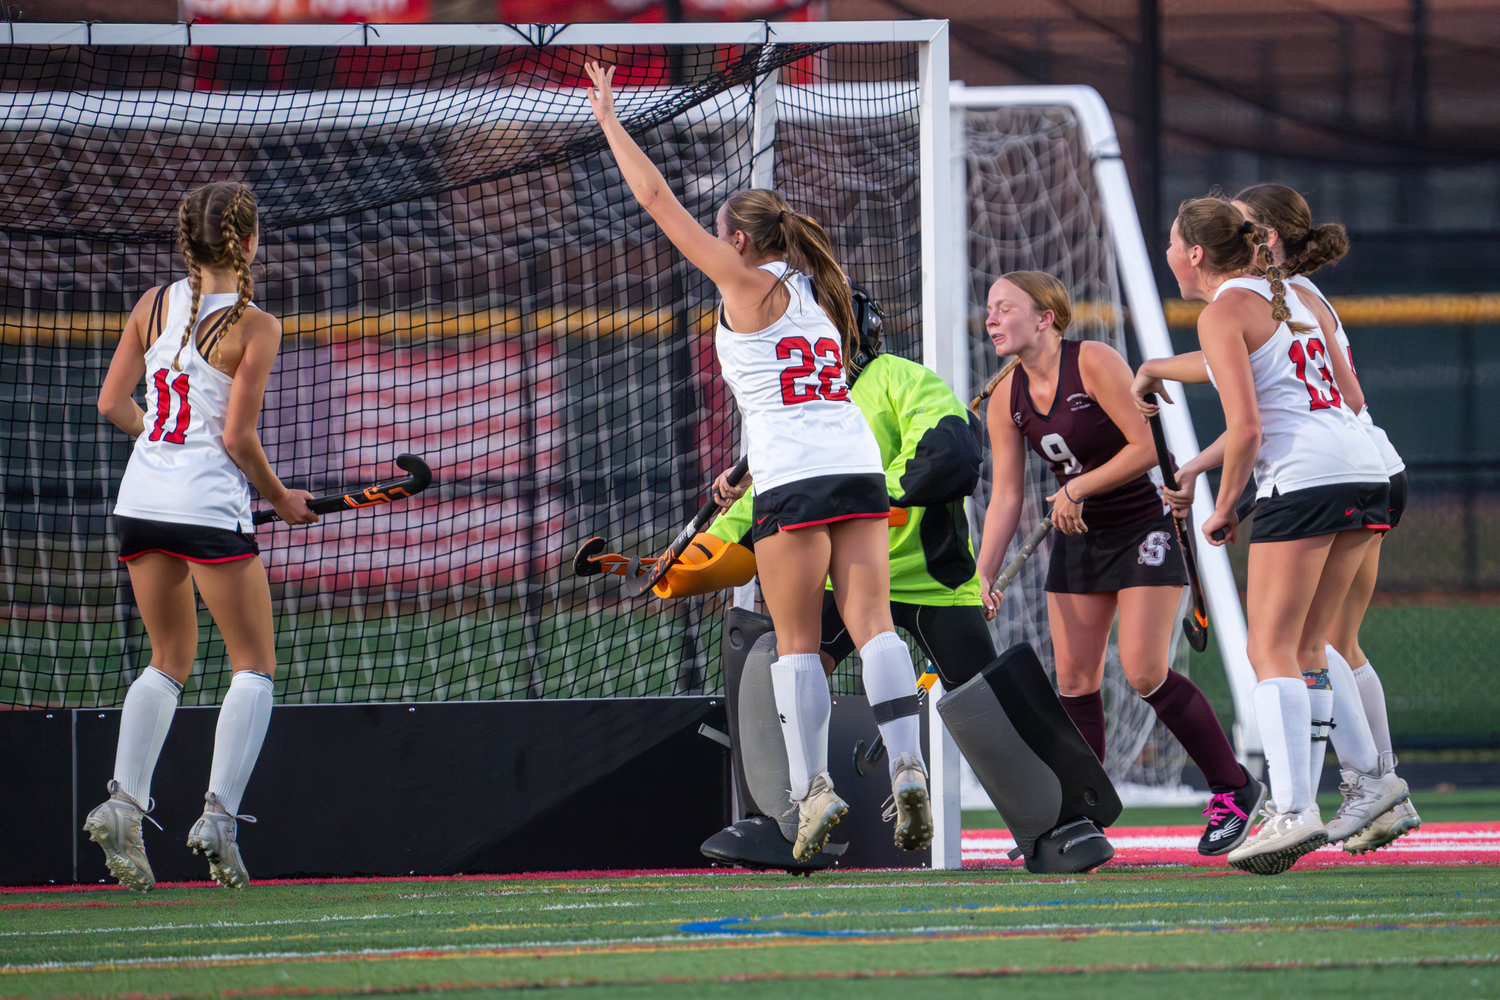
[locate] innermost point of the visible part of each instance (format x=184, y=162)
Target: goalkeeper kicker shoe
x=816, y=815
x=115, y=825
x=909, y=804
x=1281, y=840
x=214, y=835
x=1230, y=815
x=1388, y=826
x=1366, y=798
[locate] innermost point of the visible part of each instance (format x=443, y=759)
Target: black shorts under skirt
x=1103, y=560
x=1398, y=497
x=819, y=500
x=192, y=542
x=1322, y=510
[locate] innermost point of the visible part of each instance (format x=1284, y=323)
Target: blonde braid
x=195, y=280
x=1275, y=275
x=230, y=226
x=989, y=389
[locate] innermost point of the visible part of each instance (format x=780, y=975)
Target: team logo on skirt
x=1154, y=549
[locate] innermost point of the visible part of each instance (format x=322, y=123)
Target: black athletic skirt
x=1322, y=510
x=819, y=500
x=1399, y=487
x=1103, y=560
x=192, y=542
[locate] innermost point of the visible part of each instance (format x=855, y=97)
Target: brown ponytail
x=1285, y=210
x=217, y=243
x=1045, y=292
x=1233, y=245
x=775, y=227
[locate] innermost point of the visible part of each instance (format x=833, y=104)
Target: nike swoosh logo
x=761, y=520
x=1351, y=510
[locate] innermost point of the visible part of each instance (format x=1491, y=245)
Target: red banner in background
x=306, y=11
x=651, y=11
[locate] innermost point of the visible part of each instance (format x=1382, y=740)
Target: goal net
x=461, y=274
x=1033, y=204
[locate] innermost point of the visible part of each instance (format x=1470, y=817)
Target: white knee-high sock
x=1285, y=717
x=1351, y=732
x=243, y=719
x=891, y=685
x=144, y=722
x=803, y=702
x=1372, y=697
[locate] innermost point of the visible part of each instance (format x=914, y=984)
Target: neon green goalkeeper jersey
x=929, y=445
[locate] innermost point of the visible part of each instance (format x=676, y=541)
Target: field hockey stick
x=418, y=478
x=592, y=560
x=643, y=574
x=1195, y=625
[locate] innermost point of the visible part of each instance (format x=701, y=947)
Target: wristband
x=1070, y=496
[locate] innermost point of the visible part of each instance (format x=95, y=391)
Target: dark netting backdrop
x=461, y=274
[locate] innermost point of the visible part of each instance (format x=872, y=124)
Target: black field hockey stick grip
x=1195, y=625
x=418, y=478
x=638, y=582
x=1014, y=567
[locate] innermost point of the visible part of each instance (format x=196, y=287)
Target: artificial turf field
x=1360, y=930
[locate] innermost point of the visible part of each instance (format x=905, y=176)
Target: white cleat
x=909, y=805
x=214, y=835
x=816, y=816
x=1388, y=826
x=115, y=825
x=1366, y=798
x=1280, y=841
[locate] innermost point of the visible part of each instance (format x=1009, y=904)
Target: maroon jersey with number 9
x=1076, y=436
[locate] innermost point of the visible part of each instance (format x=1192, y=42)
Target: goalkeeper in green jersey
x=930, y=446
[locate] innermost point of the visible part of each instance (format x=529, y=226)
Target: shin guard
x=1043, y=778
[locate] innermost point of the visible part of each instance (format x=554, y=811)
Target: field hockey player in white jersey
x=821, y=505
x=1362, y=732
x=1321, y=486
x=183, y=520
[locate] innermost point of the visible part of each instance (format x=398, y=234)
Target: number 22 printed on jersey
x=1316, y=358
x=179, y=388
x=808, y=355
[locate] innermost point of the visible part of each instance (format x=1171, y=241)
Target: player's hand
x=1181, y=500
x=1067, y=516
x=1229, y=522
x=601, y=97
x=292, y=508
x=724, y=494
x=1141, y=387
x=991, y=601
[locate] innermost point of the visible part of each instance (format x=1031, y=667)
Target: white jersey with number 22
x=179, y=470
x=788, y=380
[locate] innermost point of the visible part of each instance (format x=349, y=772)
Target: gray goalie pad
x=1026, y=752
x=761, y=771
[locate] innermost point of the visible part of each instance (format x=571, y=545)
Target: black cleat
x=1230, y=815
x=756, y=842
x=1069, y=849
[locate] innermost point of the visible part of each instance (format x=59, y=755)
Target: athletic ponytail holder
x=1247, y=227
x=781, y=217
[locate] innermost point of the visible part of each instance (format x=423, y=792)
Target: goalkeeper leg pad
x=1030, y=758
x=758, y=752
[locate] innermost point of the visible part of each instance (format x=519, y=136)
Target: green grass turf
x=1465, y=805
x=1156, y=932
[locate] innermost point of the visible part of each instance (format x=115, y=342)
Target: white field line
x=226, y=923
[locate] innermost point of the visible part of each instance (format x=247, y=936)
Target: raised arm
x=707, y=253
x=1187, y=368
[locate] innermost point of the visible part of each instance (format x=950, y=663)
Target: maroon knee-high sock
x=1181, y=706
x=1087, y=713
